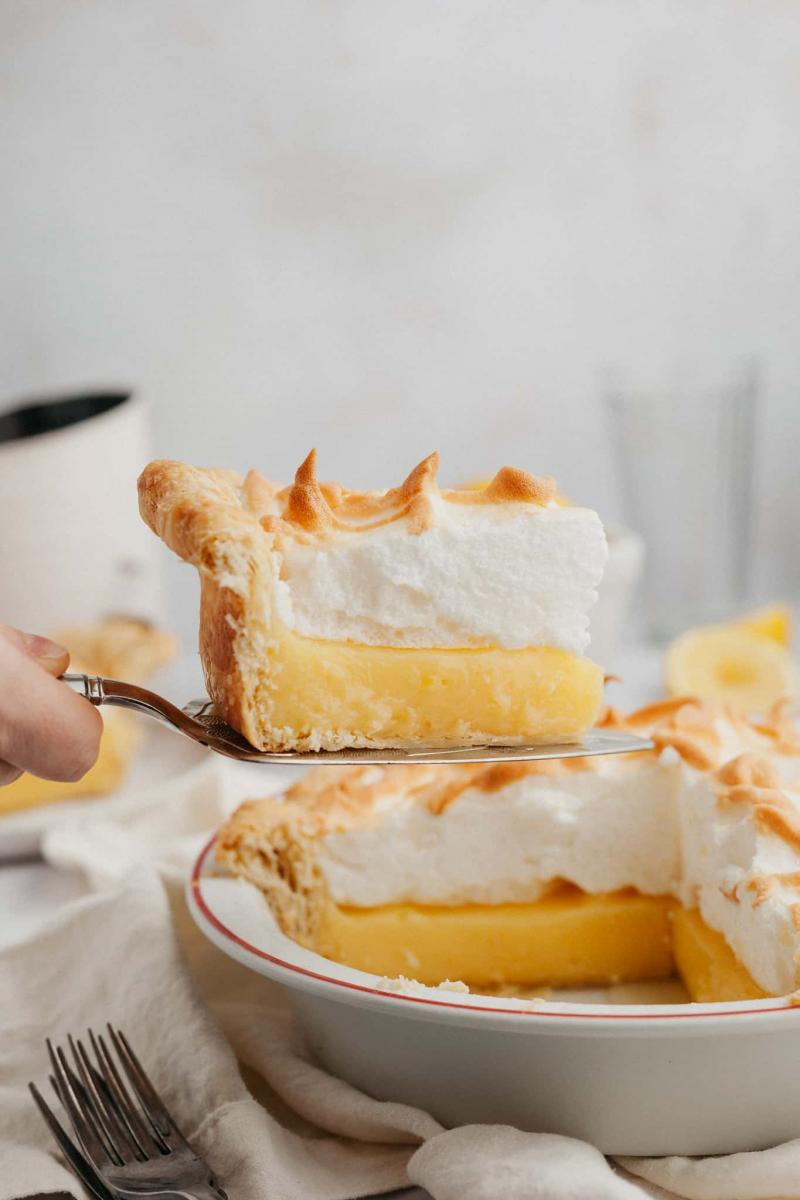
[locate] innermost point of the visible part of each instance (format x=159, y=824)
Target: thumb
x=51, y=656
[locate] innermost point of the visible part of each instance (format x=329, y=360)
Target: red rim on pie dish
x=286, y=971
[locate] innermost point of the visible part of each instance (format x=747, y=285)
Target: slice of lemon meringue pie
x=564, y=873
x=332, y=618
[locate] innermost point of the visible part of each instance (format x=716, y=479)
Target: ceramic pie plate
x=631, y=1078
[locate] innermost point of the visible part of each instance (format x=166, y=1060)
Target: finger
x=8, y=773
x=45, y=728
x=50, y=655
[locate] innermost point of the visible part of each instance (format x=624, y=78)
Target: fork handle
x=88, y=686
x=98, y=690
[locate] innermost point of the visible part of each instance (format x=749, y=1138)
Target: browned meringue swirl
x=311, y=507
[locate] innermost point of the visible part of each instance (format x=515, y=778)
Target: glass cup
x=686, y=464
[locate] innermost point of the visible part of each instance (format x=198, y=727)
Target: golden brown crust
x=222, y=614
x=272, y=850
x=199, y=514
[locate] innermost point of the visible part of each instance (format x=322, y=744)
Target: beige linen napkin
x=220, y=1044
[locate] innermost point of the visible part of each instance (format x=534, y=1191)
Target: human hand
x=45, y=728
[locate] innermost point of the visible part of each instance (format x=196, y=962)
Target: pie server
x=198, y=721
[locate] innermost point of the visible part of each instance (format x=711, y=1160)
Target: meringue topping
x=415, y=566
x=418, y=566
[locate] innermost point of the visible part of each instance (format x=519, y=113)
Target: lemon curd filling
x=399, y=693
x=706, y=963
x=569, y=939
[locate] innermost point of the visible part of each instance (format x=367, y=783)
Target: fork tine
x=94, y=1142
x=105, y=1103
x=91, y=1137
x=147, y=1131
x=126, y=1108
x=89, y=1132
x=80, y=1165
x=98, y=1139
x=152, y=1104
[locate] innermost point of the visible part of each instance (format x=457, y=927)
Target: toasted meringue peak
x=306, y=503
x=703, y=732
x=316, y=508
x=751, y=769
x=779, y=819
x=512, y=484
x=780, y=725
x=421, y=479
x=650, y=714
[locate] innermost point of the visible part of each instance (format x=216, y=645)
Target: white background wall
x=384, y=227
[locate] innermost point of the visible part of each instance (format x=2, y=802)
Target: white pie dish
x=634, y=1079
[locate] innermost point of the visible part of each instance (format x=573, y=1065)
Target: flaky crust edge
x=264, y=842
x=199, y=515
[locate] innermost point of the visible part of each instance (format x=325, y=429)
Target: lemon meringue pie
x=567, y=872
x=332, y=618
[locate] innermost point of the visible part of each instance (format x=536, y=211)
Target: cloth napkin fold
x=220, y=1044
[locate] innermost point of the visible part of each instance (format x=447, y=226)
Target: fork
x=129, y=1142
x=83, y=1169
x=198, y=721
